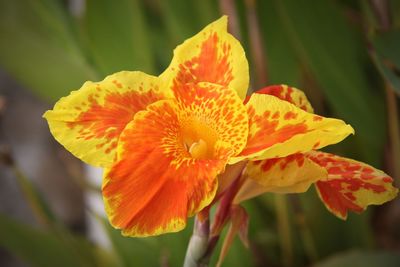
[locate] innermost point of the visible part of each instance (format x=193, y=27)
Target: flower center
x=198, y=139
x=198, y=150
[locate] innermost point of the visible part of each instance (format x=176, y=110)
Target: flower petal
x=278, y=129
x=159, y=180
x=155, y=185
x=89, y=121
x=351, y=185
x=217, y=106
x=213, y=55
x=291, y=174
x=289, y=94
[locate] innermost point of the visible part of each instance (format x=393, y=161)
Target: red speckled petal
x=278, y=129
x=289, y=94
x=90, y=120
x=351, y=185
x=291, y=174
x=214, y=56
x=169, y=159
x=156, y=184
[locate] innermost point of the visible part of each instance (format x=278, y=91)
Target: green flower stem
x=257, y=52
x=198, y=243
x=203, y=242
x=31, y=197
x=284, y=230
x=305, y=231
x=381, y=9
x=393, y=124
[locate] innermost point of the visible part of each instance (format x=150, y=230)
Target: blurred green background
x=344, y=54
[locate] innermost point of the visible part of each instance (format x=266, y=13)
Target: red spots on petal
x=289, y=94
x=117, y=84
x=276, y=115
x=290, y=115
x=211, y=65
x=387, y=179
x=346, y=178
x=286, y=93
x=275, y=90
x=317, y=118
x=268, y=164
x=266, y=132
x=367, y=170
x=297, y=158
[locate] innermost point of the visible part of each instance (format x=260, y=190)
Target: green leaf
x=149, y=251
x=354, y=232
x=38, y=48
x=387, y=45
x=133, y=251
x=118, y=36
x=283, y=67
x=42, y=249
x=336, y=57
x=362, y=259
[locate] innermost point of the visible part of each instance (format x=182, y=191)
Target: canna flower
x=342, y=184
x=166, y=141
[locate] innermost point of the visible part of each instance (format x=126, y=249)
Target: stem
x=198, y=243
x=393, y=124
x=31, y=197
x=305, y=231
x=284, y=230
x=257, y=51
x=228, y=7
x=381, y=8
x=202, y=243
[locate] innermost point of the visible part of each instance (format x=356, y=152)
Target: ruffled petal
x=351, y=185
x=291, y=174
x=278, y=129
x=289, y=94
x=169, y=157
x=213, y=55
x=90, y=120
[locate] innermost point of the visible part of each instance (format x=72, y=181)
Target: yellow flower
x=343, y=184
x=164, y=140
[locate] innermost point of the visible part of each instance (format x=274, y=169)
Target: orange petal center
x=198, y=150
x=198, y=138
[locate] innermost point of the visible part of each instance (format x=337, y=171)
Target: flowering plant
x=175, y=144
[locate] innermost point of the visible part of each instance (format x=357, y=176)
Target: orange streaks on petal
x=107, y=120
x=89, y=121
x=157, y=183
x=211, y=65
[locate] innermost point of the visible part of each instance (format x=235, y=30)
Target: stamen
x=198, y=149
